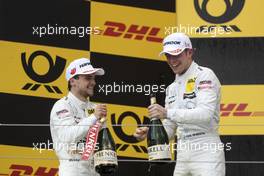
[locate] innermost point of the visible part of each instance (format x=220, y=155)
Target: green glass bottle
x=157, y=140
x=105, y=157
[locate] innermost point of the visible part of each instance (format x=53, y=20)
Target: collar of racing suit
x=78, y=102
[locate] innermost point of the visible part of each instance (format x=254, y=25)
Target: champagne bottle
x=157, y=140
x=105, y=157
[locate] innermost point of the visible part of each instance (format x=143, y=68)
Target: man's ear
x=191, y=51
x=72, y=80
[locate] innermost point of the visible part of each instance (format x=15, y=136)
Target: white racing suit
x=70, y=120
x=193, y=107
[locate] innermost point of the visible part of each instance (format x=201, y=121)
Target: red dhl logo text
x=133, y=31
x=238, y=109
x=19, y=170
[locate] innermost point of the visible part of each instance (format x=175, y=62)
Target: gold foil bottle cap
x=103, y=119
x=153, y=99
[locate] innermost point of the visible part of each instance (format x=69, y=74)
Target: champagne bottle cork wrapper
x=153, y=100
x=103, y=119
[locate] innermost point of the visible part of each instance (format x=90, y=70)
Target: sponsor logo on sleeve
x=205, y=84
x=63, y=113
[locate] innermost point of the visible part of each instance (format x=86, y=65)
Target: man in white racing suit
x=72, y=116
x=192, y=108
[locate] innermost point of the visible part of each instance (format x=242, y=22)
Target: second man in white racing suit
x=192, y=108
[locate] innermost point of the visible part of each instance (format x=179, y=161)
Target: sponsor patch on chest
x=190, y=88
x=89, y=111
x=190, y=85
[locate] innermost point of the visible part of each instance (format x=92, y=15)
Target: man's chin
x=90, y=93
x=175, y=71
x=178, y=71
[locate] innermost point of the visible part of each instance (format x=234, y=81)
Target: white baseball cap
x=175, y=43
x=82, y=66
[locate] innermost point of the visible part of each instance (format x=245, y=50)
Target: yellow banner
x=137, y=32
x=122, y=123
x=219, y=18
x=26, y=161
x=35, y=70
x=242, y=110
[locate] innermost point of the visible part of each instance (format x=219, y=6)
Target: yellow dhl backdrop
x=138, y=33
x=16, y=161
